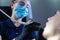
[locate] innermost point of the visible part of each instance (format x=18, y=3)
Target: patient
x=52, y=29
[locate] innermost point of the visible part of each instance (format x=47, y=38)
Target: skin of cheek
x=55, y=37
x=49, y=29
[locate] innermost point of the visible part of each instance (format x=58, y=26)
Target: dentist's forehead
x=19, y=0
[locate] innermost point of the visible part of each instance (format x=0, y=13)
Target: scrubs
x=8, y=31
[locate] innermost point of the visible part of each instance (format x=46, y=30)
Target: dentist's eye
x=21, y=3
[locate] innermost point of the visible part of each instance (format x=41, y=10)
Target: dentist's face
x=19, y=9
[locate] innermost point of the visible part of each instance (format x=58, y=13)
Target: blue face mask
x=21, y=11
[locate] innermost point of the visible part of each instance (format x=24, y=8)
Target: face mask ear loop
x=25, y=23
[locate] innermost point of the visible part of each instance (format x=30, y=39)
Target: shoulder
x=1, y=22
x=4, y=21
x=3, y=25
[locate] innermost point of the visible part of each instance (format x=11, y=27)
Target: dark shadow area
x=39, y=35
x=8, y=10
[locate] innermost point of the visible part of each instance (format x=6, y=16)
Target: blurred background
x=42, y=9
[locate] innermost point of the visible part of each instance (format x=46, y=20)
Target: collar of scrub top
x=11, y=25
x=25, y=23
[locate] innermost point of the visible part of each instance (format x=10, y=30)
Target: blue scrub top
x=9, y=31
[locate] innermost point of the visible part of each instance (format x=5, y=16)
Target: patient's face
x=54, y=21
x=53, y=24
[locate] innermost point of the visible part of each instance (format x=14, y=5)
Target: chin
x=55, y=37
